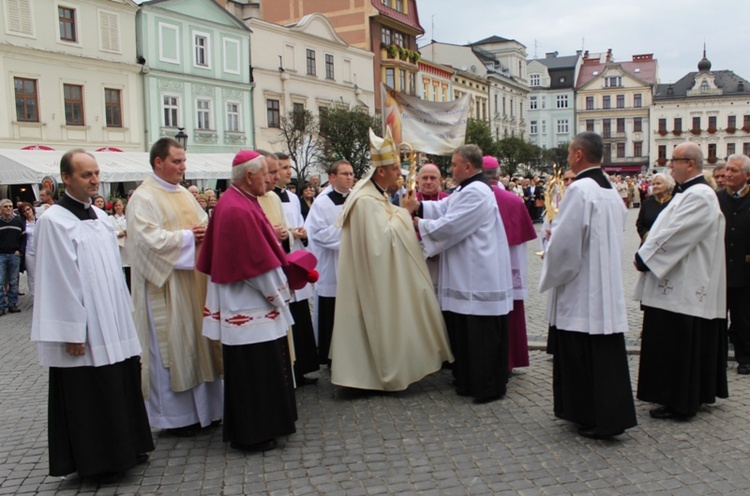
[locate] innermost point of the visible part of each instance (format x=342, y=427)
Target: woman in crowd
x=120, y=225
x=98, y=200
x=661, y=187
x=202, y=201
x=307, y=197
x=27, y=214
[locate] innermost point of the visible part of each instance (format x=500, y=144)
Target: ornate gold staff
x=553, y=195
x=407, y=154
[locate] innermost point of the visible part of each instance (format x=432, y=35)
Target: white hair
x=744, y=161
x=667, y=179
x=4, y=201
x=252, y=166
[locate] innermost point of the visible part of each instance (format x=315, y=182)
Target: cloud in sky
x=673, y=30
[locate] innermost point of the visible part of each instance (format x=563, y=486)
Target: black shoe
x=487, y=399
x=2, y=312
x=743, y=368
x=14, y=309
x=142, y=458
x=306, y=381
x=107, y=477
x=256, y=448
x=592, y=433
x=664, y=412
x=187, y=431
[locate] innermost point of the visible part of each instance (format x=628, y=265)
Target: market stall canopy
x=30, y=166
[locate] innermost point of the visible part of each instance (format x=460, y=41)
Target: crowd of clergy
x=227, y=309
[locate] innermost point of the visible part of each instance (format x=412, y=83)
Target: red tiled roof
x=646, y=73
x=411, y=19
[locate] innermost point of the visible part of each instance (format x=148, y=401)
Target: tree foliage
x=479, y=133
x=514, y=151
x=344, y=134
x=300, y=137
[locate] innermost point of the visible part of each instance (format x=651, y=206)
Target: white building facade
x=305, y=66
x=709, y=108
x=70, y=76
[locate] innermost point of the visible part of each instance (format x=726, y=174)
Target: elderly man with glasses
x=682, y=289
x=12, y=243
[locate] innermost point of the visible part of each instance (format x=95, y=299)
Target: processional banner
x=431, y=127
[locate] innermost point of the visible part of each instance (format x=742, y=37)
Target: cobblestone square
x=425, y=440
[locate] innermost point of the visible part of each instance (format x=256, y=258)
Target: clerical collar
x=83, y=204
x=282, y=194
x=476, y=177
x=382, y=191
x=166, y=185
x=337, y=197
x=699, y=179
x=597, y=174
x=81, y=210
x=244, y=193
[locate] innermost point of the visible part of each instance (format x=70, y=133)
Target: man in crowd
x=682, y=289
x=45, y=201
x=720, y=175
x=181, y=368
x=246, y=309
x=194, y=190
x=97, y=422
x=519, y=229
x=428, y=189
x=428, y=184
x=324, y=240
x=475, y=288
x=305, y=349
x=12, y=244
x=388, y=331
x=734, y=201
x=586, y=310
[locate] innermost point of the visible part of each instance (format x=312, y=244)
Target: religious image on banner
x=430, y=127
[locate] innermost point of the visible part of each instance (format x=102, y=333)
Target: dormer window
x=704, y=86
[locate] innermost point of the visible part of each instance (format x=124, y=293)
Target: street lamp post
x=181, y=137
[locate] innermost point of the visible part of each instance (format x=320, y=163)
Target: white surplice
x=324, y=241
x=582, y=272
x=250, y=311
x=81, y=296
x=293, y=214
x=685, y=253
x=468, y=233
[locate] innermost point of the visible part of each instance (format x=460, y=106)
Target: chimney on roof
x=552, y=55
x=586, y=54
x=609, y=55
x=643, y=56
x=578, y=52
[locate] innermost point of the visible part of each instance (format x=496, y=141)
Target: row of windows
x=312, y=65
x=204, y=114
x=562, y=127
x=536, y=79
x=27, y=103
x=731, y=123
x=390, y=80
x=731, y=149
x=620, y=150
x=202, y=52
x=27, y=107
x=394, y=4
x=619, y=126
x=390, y=36
x=619, y=101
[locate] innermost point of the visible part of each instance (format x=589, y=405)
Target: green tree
x=515, y=151
x=299, y=135
x=556, y=156
x=479, y=133
x=344, y=134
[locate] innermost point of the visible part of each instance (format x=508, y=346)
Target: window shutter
x=19, y=16
x=109, y=31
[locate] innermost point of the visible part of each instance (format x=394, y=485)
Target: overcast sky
x=673, y=30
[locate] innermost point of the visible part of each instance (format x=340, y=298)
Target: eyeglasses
x=676, y=159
